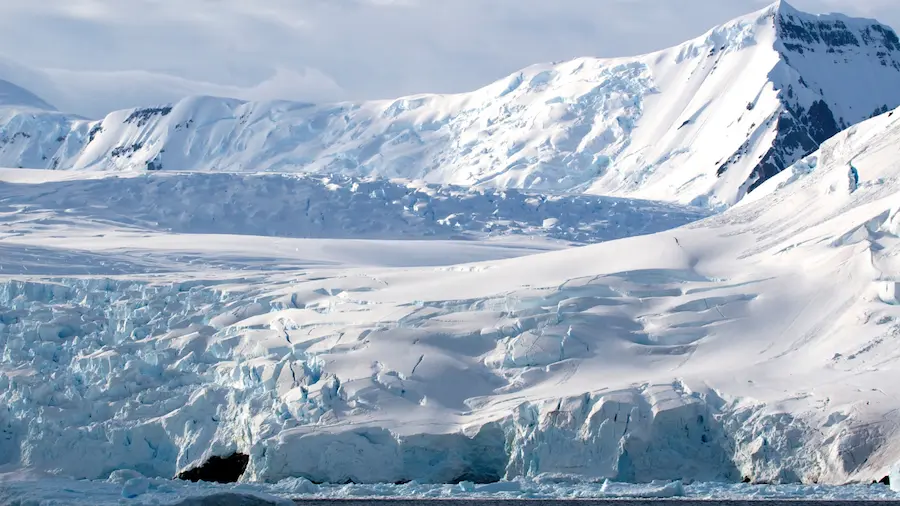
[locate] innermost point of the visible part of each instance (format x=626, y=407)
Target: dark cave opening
x=477, y=477
x=218, y=469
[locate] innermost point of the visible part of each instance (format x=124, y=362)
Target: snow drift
x=703, y=122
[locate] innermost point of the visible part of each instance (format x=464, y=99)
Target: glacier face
x=703, y=122
x=139, y=376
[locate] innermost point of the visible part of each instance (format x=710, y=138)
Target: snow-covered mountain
x=703, y=122
x=759, y=343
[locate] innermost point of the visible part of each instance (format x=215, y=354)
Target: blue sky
x=341, y=49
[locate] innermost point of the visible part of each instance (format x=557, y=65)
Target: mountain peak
x=832, y=30
x=781, y=6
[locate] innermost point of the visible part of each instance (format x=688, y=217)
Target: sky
x=93, y=56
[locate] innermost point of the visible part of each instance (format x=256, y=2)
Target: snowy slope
x=757, y=343
x=703, y=122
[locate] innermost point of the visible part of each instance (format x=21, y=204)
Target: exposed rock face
x=803, y=125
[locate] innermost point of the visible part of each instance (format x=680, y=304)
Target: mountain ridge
x=700, y=123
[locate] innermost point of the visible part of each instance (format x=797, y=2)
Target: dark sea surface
x=589, y=502
x=243, y=500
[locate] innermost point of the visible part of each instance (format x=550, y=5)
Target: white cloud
x=345, y=49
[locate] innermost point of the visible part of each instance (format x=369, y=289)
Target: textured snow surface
x=13, y=95
x=701, y=123
x=756, y=343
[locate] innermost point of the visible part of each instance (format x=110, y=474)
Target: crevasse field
x=355, y=335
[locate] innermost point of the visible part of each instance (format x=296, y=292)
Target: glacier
x=753, y=344
x=327, y=207
x=592, y=279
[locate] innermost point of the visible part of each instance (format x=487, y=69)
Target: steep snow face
x=703, y=122
x=758, y=343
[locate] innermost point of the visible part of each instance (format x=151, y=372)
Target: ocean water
x=242, y=500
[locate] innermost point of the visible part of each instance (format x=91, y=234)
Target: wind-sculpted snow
x=703, y=122
x=323, y=207
x=756, y=344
